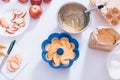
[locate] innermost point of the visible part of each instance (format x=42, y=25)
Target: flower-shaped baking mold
x=60, y=50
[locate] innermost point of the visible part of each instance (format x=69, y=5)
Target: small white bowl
x=65, y=9
x=113, y=65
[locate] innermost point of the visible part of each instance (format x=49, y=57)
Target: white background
x=91, y=64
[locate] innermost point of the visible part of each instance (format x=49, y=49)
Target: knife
x=8, y=52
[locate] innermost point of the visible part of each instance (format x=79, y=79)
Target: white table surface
x=91, y=64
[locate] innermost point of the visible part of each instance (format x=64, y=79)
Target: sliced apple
x=57, y=42
x=72, y=46
x=4, y=23
x=65, y=61
x=2, y=53
x=14, y=65
x=10, y=31
x=9, y=67
x=56, y=59
x=2, y=46
x=65, y=42
x=12, y=59
x=49, y=55
x=22, y=24
x=19, y=20
x=22, y=15
x=68, y=55
x=19, y=59
x=17, y=13
x=47, y=47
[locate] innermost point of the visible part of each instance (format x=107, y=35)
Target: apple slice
x=17, y=13
x=2, y=53
x=22, y=24
x=22, y=15
x=14, y=65
x=68, y=55
x=12, y=59
x=4, y=23
x=19, y=20
x=9, y=67
x=49, y=55
x=2, y=46
x=56, y=59
x=65, y=61
x=10, y=31
x=65, y=42
x=72, y=46
x=19, y=59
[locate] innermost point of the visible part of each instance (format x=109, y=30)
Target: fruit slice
x=14, y=62
x=19, y=59
x=1, y=53
x=56, y=59
x=19, y=20
x=72, y=46
x=17, y=13
x=65, y=42
x=2, y=46
x=57, y=42
x=4, y=23
x=68, y=55
x=49, y=55
x=22, y=15
x=12, y=59
x=22, y=24
x=14, y=65
x=65, y=61
x=9, y=67
x=10, y=31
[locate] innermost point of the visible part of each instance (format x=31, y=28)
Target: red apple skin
x=23, y=1
x=47, y=1
x=35, y=11
x=36, y=2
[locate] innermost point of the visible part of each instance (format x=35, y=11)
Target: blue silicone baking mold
x=48, y=41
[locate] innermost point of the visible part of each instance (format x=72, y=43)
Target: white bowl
x=7, y=12
x=113, y=65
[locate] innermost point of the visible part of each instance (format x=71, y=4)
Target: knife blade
x=8, y=52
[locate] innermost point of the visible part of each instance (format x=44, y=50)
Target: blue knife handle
x=11, y=46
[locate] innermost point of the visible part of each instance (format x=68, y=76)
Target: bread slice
x=111, y=11
x=104, y=39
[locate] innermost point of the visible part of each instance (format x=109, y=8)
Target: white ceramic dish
x=7, y=12
x=113, y=65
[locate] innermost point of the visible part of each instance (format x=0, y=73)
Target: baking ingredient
x=14, y=62
x=15, y=23
x=60, y=51
x=35, y=11
x=1, y=48
x=47, y=1
x=36, y=2
x=23, y=1
x=104, y=39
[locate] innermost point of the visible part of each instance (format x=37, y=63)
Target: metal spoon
x=97, y=7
